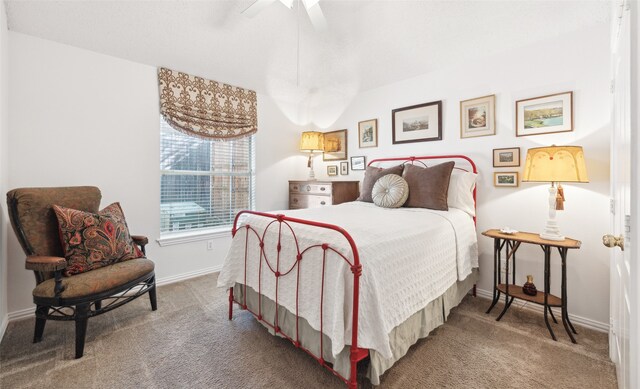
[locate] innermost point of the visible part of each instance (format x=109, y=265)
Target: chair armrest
x=141, y=241
x=45, y=264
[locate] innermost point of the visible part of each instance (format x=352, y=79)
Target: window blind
x=203, y=183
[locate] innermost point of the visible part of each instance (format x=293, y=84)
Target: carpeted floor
x=189, y=343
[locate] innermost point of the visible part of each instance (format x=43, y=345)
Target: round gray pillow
x=390, y=191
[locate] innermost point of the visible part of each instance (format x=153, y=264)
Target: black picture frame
x=415, y=113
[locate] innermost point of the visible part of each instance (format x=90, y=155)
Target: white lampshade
x=555, y=164
x=312, y=141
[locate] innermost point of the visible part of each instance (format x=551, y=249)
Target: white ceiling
x=367, y=43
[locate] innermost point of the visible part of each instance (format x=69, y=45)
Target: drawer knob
x=322, y=188
x=295, y=200
x=323, y=203
x=308, y=188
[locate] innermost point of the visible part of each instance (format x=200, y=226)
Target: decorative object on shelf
x=545, y=115
x=555, y=164
x=507, y=179
x=335, y=146
x=478, y=117
x=311, y=141
x=417, y=123
x=344, y=168
x=507, y=157
x=508, y=231
x=368, y=133
x=332, y=170
x=358, y=163
x=529, y=288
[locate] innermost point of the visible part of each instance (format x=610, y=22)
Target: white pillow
x=460, y=194
x=390, y=191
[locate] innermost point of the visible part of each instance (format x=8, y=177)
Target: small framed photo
x=505, y=179
x=478, y=117
x=332, y=170
x=545, y=115
x=344, y=168
x=358, y=163
x=417, y=123
x=335, y=146
x=368, y=133
x=509, y=157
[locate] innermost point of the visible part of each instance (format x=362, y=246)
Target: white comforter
x=409, y=257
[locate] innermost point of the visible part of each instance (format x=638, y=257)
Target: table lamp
x=311, y=141
x=555, y=164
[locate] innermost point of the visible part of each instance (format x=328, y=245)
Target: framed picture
x=332, y=170
x=417, y=123
x=508, y=179
x=478, y=117
x=344, y=168
x=368, y=133
x=358, y=163
x=509, y=157
x=545, y=114
x=335, y=146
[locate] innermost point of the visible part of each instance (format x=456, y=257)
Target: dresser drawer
x=308, y=201
x=310, y=188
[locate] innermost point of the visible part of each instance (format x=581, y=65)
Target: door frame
x=634, y=335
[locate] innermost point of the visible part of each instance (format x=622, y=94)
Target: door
x=622, y=297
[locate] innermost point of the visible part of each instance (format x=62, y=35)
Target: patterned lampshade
x=555, y=164
x=312, y=141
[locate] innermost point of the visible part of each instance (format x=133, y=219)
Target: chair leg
x=41, y=313
x=82, y=319
x=152, y=295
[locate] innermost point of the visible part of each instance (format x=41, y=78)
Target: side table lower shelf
x=516, y=291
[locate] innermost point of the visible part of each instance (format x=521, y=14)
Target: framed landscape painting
x=368, y=133
x=332, y=170
x=545, y=115
x=417, y=123
x=507, y=179
x=335, y=146
x=358, y=163
x=509, y=157
x=478, y=117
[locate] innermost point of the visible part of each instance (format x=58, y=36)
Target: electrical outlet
x=210, y=244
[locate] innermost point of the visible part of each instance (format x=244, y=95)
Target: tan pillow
x=390, y=191
x=428, y=186
x=371, y=176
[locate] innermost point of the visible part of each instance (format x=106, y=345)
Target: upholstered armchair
x=80, y=296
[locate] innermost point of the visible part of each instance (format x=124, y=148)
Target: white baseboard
x=30, y=312
x=583, y=321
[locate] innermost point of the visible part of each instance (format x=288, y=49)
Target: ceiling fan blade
x=316, y=16
x=256, y=7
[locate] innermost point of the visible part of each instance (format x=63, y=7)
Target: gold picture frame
x=545, y=114
x=506, y=179
x=335, y=146
x=368, y=133
x=478, y=117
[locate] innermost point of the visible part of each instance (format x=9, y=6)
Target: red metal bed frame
x=356, y=353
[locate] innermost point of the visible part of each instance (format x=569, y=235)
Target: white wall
x=578, y=62
x=83, y=118
x=4, y=160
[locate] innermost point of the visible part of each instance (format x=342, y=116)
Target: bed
x=337, y=283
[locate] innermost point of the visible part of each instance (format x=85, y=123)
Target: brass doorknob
x=613, y=241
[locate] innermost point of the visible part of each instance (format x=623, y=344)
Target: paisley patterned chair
x=80, y=296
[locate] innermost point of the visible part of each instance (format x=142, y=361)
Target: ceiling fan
x=312, y=6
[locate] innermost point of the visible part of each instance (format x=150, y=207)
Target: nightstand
x=511, y=242
x=311, y=194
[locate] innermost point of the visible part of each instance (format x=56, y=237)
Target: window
x=203, y=183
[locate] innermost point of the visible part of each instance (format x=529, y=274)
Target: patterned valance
x=206, y=109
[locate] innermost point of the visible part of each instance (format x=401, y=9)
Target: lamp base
x=551, y=230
